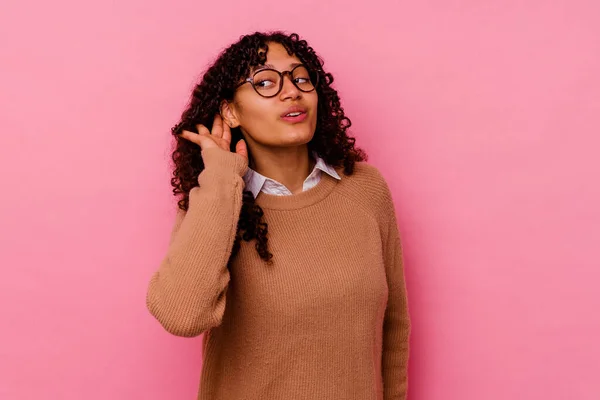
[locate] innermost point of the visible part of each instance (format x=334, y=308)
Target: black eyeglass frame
x=281, y=77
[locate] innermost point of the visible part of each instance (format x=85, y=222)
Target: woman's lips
x=295, y=117
x=294, y=114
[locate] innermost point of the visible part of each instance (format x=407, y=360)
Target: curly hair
x=330, y=140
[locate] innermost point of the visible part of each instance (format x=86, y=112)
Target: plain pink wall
x=484, y=117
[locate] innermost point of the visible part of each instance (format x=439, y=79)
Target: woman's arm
x=397, y=326
x=187, y=293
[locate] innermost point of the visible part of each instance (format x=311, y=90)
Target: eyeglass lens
x=267, y=82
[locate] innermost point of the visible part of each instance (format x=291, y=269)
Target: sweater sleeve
x=397, y=325
x=187, y=292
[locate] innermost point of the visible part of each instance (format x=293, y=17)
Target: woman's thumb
x=241, y=148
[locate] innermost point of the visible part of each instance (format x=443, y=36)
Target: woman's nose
x=289, y=89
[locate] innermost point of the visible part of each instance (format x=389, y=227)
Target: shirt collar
x=255, y=181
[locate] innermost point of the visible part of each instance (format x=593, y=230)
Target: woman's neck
x=289, y=165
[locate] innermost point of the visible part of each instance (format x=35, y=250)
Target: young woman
x=285, y=250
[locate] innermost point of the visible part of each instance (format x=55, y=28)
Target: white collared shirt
x=257, y=183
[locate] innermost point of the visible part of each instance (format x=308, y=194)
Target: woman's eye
x=301, y=80
x=264, y=83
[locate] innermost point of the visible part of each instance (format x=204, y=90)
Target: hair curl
x=330, y=141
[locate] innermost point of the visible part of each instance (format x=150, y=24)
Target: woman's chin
x=295, y=137
x=290, y=137
x=295, y=142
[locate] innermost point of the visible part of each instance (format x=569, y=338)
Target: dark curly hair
x=330, y=141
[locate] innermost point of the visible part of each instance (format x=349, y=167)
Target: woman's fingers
x=202, y=129
x=191, y=136
x=202, y=138
x=219, y=137
x=241, y=149
x=226, y=133
x=217, y=128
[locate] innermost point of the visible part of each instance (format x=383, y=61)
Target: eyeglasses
x=269, y=82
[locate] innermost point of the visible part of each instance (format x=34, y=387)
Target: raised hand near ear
x=219, y=137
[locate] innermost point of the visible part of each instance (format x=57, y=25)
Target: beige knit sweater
x=328, y=320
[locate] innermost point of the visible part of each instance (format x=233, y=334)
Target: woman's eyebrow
x=271, y=66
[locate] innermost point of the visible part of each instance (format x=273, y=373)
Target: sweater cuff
x=221, y=161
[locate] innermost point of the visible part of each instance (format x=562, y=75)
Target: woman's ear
x=226, y=110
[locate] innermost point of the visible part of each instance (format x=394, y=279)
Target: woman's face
x=263, y=121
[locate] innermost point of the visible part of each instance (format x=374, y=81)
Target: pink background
x=484, y=117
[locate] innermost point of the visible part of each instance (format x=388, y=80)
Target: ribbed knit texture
x=328, y=320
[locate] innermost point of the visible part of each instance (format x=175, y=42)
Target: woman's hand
x=220, y=137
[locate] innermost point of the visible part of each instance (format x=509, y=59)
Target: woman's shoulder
x=369, y=171
x=368, y=176
x=366, y=186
